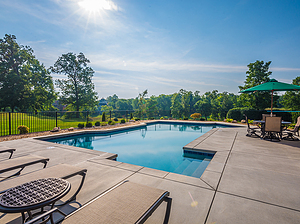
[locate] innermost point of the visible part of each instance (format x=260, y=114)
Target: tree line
x=27, y=85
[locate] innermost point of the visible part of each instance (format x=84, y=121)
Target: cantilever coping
x=86, y=131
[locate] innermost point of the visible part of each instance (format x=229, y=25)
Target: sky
x=161, y=45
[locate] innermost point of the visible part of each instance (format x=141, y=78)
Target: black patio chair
x=291, y=134
x=252, y=130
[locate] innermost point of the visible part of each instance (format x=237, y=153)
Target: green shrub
x=123, y=121
x=115, y=119
x=111, y=122
x=137, y=119
x=162, y=118
x=103, y=124
x=235, y=114
x=23, y=129
x=229, y=120
x=89, y=125
x=103, y=116
x=185, y=118
x=80, y=125
x=202, y=119
x=97, y=123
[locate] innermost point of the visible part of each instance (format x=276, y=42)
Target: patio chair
x=4, y=149
x=127, y=202
x=20, y=163
x=267, y=115
x=252, y=130
x=63, y=171
x=291, y=134
x=273, y=128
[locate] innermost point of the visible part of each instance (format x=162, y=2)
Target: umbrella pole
x=272, y=104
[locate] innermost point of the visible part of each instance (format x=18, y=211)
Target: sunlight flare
x=97, y=5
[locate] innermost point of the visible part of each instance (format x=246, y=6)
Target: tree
x=257, y=74
x=176, y=108
x=142, y=102
x=25, y=84
x=291, y=99
x=77, y=89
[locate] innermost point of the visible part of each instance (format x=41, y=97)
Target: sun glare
x=96, y=5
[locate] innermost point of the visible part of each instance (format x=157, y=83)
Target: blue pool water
x=158, y=146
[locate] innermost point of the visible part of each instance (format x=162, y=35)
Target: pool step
x=185, y=163
x=201, y=168
x=191, y=168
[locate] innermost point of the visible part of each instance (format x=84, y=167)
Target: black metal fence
x=46, y=121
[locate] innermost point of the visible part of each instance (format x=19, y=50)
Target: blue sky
x=161, y=45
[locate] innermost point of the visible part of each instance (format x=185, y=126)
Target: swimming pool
x=158, y=146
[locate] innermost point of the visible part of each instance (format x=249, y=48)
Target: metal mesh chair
x=291, y=134
x=273, y=128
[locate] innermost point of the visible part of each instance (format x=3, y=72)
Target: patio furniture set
x=273, y=127
x=36, y=194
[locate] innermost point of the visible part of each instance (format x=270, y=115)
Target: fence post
x=9, y=122
x=56, y=119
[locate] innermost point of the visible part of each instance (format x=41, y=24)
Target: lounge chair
x=273, y=128
x=4, y=149
x=20, y=163
x=252, y=130
x=127, y=202
x=291, y=134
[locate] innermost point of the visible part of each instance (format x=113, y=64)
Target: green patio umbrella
x=272, y=85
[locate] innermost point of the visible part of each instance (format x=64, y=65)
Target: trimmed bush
x=97, y=123
x=103, y=124
x=195, y=115
x=23, y=129
x=89, y=125
x=103, y=116
x=111, y=122
x=115, y=119
x=137, y=119
x=123, y=121
x=80, y=125
x=162, y=118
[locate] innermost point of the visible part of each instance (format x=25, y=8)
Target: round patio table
x=34, y=195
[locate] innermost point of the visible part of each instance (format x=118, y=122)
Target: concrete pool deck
x=249, y=180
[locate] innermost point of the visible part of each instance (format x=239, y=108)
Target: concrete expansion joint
x=264, y=202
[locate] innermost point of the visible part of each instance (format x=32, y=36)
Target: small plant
x=97, y=123
x=195, y=115
x=89, y=125
x=115, y=119
x=162, y=118
x=80, y=125
x=23, y=129
x=202, y=119
x=111, y=122
x=229, y=120
x=103, y=117
x=102, y=124
x=137, y=119
x=123, y=121
x=185, y=118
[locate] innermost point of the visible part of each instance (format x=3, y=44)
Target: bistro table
x=262, y=122
x=34, y=195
